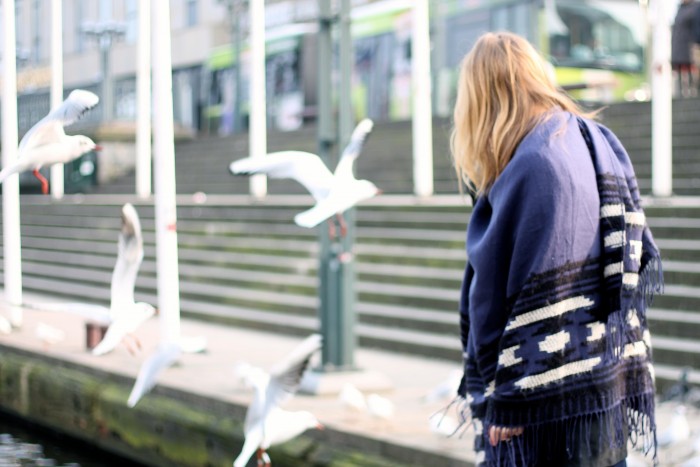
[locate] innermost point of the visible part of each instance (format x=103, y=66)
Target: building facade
x=597, y=47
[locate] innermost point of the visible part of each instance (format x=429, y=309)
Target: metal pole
x=10, y=188
x=143, y=100
x=56, y=84
x=343, y=258
x=105, y=41
x=422, y=107
x=236, y=25
x=257, y=101
x=326, y=138
x=165, y=206
x=661, y=100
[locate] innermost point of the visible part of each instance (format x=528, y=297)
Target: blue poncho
x=553, y=310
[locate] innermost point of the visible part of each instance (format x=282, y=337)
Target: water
x=24, y=445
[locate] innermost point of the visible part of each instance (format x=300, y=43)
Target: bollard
x=94, y=333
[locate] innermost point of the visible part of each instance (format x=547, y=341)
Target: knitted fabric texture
x=561, y=269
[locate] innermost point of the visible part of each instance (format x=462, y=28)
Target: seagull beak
x=320, y=426
x=380, y=192
x=97, y=148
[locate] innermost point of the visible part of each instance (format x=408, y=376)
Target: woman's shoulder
x=543, y=146
x=550, y=154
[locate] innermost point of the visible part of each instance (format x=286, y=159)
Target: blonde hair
x=504, y=90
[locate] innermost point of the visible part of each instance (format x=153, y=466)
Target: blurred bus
x=596, y=48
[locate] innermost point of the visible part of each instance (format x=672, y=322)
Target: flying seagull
x=266, y=423
x=166, y=355
x=123, y=316
x=46, y=143
x=334, y=192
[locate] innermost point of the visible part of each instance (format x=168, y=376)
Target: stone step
x=676, y=351
x=239, y=262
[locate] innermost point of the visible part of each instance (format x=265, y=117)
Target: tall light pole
x=105, y=33
x=165, y=206
x=661, y=99
x=257, y=129
x=421, y=99
x=10, y=188
x=336, y=272
x=143, y=102
x=235, y=10
x=56, y=84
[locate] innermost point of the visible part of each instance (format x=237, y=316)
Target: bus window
x=598, y=34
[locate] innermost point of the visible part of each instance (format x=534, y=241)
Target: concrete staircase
x=247, y=264
x=202, y=164
x=631, y=122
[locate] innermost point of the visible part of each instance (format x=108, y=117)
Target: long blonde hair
x=504, y=90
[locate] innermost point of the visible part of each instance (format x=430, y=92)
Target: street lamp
x=236, y=9
x=105, y=33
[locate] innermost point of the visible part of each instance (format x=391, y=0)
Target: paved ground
x=212, y=375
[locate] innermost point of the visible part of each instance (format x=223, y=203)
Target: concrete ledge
x=195, y=413
x=169, y=427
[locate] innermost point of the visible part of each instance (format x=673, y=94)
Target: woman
x=682, y=48
x=561, y=268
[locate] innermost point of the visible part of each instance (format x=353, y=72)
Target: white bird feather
x=334, y=192
x=46, y=143
x=165, y=355
x=352, y=398
x=266, y=423
x=677, y=431
x=380, y=407
x=123, y=316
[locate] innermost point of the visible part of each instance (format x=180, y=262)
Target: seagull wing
x=285, y=377
x=304, y=167
x=353, y=149
x=114, y=335
x=129, y=257
x=253, y=439
x=50, y=128
x=163, y=357
x=342, y=197
x=126, y=321
x=96, y=313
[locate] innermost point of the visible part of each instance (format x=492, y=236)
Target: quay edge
x=169, y=427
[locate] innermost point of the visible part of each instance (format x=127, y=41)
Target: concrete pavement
x=404, y=439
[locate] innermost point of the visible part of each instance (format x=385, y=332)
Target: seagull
x=124, y=315
x=443, y=425
x=677, y=431
x=5, y=325
x=49, y=335
x=352, y=398
x=165, y=355
x=380, y=407
x=447, y=388
x=334, y=192
x=46, y=143
x=265, y=422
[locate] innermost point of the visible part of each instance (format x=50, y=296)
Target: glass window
x=131, y=17
x=191, y=14
x=79, y=36
x=36, y=32
x=596, y=34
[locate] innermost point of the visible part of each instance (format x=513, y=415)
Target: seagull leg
x=263, y=460
x=44, y=182
x=132, y=343
x=343, y=225
x=331, y=229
